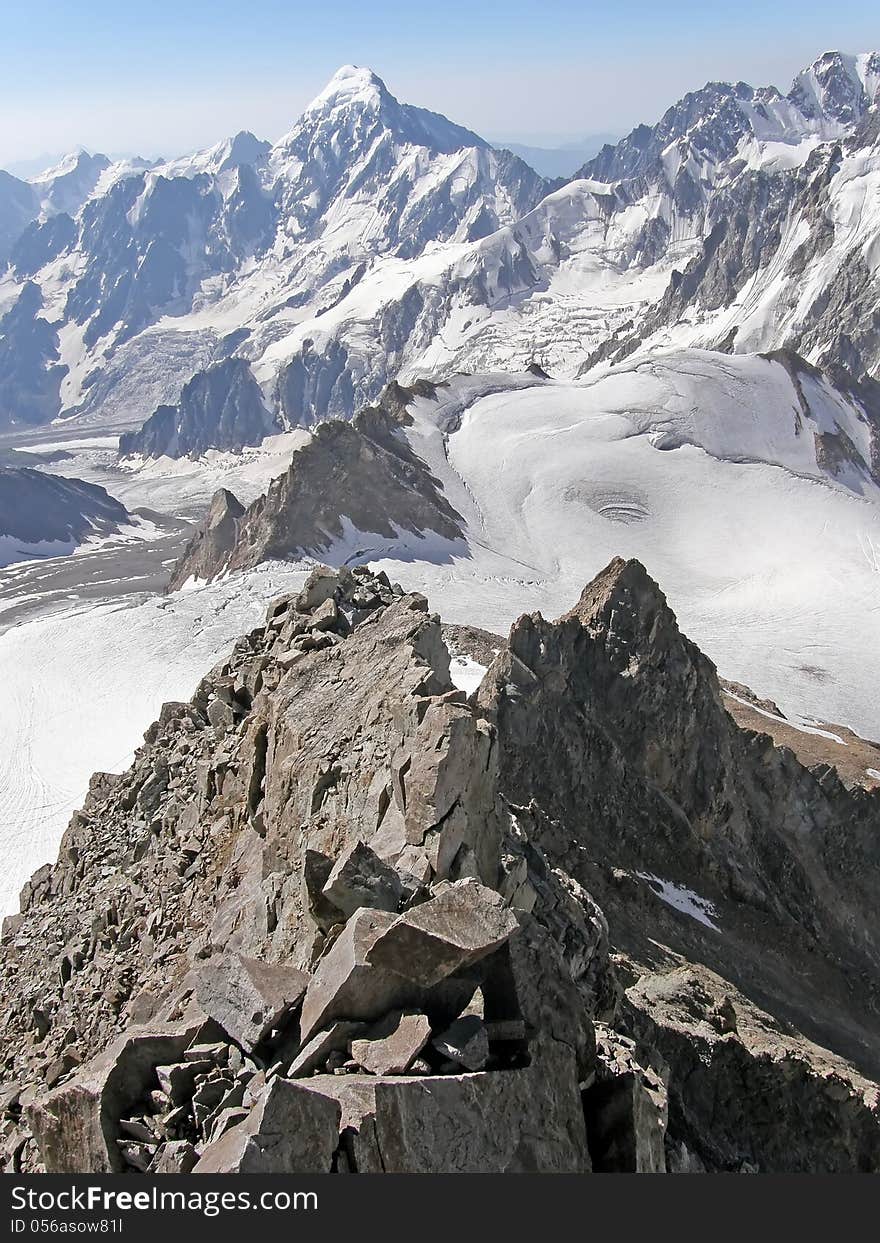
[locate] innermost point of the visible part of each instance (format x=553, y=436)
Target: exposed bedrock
x=339, y=916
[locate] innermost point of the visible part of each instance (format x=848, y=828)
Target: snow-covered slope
x=174, y=266
x=715, y=471
x=378, y=240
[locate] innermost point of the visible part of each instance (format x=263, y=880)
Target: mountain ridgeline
x=578, y=921
x=377, y=240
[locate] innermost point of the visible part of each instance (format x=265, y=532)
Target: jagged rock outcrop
x=220, y=408
x=356, y=478
x=19, y=205
x=579, y=920
x=213, y=542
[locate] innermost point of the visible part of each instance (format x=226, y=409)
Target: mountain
x=579, y=921
x=282, y=233
x=47, y=515
x=220, y=408
x=377, y=241
x=67, y=185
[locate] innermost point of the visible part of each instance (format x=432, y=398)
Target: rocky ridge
x=351, y=477
x=339, y=917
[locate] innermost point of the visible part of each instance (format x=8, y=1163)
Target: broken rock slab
x=288, y=1131
x=248, y=997
x=505, y=1122
x=77, y=1125
x=391, y=1046
x=346, y=986
x=360, y=878
x=462, y=924
x=335, y=1039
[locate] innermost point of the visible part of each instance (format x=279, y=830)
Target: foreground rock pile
x=337, y=917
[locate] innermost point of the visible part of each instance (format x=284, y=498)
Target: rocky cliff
x=220, y=408
x=339, y=917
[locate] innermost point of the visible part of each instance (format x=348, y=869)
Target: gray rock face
x=220, y=408
x=626, y=1110
x=361, y=473
x=289, y=1129
x=598, y=870
x=30, y=371
x=41, y=242
x=512, y=1122
x=215, y=539
x=19, y=205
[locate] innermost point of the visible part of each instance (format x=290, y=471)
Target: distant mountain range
x=378, y=240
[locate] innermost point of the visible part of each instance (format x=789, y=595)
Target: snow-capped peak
x=837, y=86
x=350, y=84
x=79, y=163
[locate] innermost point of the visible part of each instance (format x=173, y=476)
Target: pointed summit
x=622, y=585
x=350, y=84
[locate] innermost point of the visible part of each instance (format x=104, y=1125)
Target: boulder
x=248, y=997
x=462, y=924
x=77, y=1125
x=360, y=878
x=321, y=584
x=513, y=1122
x=288, y=1131
x=391, y=1046
x=346, y=986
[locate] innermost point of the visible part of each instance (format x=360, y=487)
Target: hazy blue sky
x=169, y=75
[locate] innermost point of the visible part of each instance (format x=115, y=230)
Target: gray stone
x=393, y=1044
x=360, y=878
x=346, y=986
x=225, y=1120
x=288, y=1131
x=461, y=925
x=177, y=1156
x=320, y=585
x=248, y=997
x=314, y=1054
x=517, y=1121
x=465, y=1041
x=325, y=616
